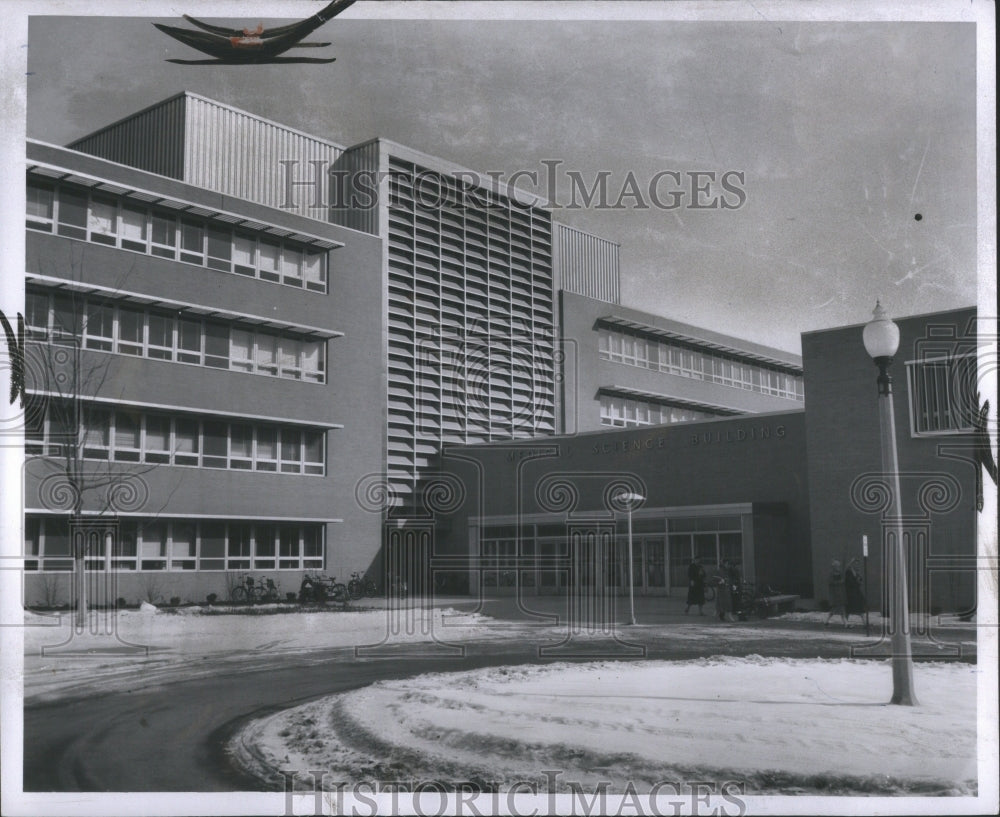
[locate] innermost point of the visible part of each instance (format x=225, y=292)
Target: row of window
x=130, y=225
x=666, y=357
x=154, y=333
x=626, y=413
x=132, y=436
x=156, y=544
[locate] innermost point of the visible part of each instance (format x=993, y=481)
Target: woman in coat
x=696, y=586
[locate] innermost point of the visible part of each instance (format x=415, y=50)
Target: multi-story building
x=186, y=359
x=251, y=348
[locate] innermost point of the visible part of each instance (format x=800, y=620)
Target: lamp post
x=630, y=499
x=881, y=339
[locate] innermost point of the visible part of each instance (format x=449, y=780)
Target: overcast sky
x=844, y=131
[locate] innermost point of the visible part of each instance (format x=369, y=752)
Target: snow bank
x=778, y=724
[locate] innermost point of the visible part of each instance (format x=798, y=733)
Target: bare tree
x=68, y=377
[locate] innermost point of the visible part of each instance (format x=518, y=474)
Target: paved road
x=171, y=738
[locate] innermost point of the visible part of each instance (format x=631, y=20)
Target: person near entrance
x=854, y=595
x=696, y=586
x=725, y=592
x=838, y=594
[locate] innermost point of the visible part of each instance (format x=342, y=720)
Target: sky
x=856, y=141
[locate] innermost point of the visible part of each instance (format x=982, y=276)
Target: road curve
x=171, y=738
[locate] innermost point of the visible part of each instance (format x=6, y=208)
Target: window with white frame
x=119, y=221
x=636, y=350
x=625, y=412
x=134, y=435
x=161, y=544
x=942, y=394
x=154, y=333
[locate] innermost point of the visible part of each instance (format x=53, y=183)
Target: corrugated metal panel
x=151, y=140
x=356, y=189
x=588, y=265
x=250, y=158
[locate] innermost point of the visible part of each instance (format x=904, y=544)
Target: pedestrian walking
x=854, y=595
x=838, y=593
x=696, y=586
x=724, y=592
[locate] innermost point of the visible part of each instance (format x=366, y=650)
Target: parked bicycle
x=250, y=591
x=358, y=587
x=318, y=588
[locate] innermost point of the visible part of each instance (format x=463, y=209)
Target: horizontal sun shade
x=187, y=207
x=624, y=391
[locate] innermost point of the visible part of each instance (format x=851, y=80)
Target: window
x=216, y=345
x=264, y=547
x=39, y=208
x=99, y=332
x=267, y=449
x=130, y=331
x=312, y=360
x=942, y=394
x=267, y=353
x=312, y=546
x=103, y=220
x=157, y=447
x=153, y=553
x=291, y=451
x=125, y=549
x=127, y=432
x=64, y=315
x=133, y=228
x=238, y=547
x=215, y=438
x=312, y=271
x=213, y=545
x=245, y=254
x=72, y=214
x=97, y=433
x=288, y=546
x=240, y=447
x=161, y=336
x=291, y=266
x=241, y=350
x=183, y=546
x=270, y=259
x=164, y=235
x=36, y=314
x=192, y=241
x=288, y=355
x=313, y=446
x=188, y=341
x=186, y=441
x=220, y=248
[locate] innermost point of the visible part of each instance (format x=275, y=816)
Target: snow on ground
x=777, y=724
x=187, y=642
x=59, y=661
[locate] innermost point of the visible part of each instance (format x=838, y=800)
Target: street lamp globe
x=881, y=335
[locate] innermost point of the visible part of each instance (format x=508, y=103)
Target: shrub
x=211, y=598
x=175, y=601
x=291, y=596
x=122, y=604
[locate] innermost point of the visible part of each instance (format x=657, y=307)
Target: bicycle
x=748, y=603
x=251, y=592
x=318, y=588
x=358, y=587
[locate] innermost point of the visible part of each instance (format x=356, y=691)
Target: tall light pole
x=881, y=339
x=630, y=499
